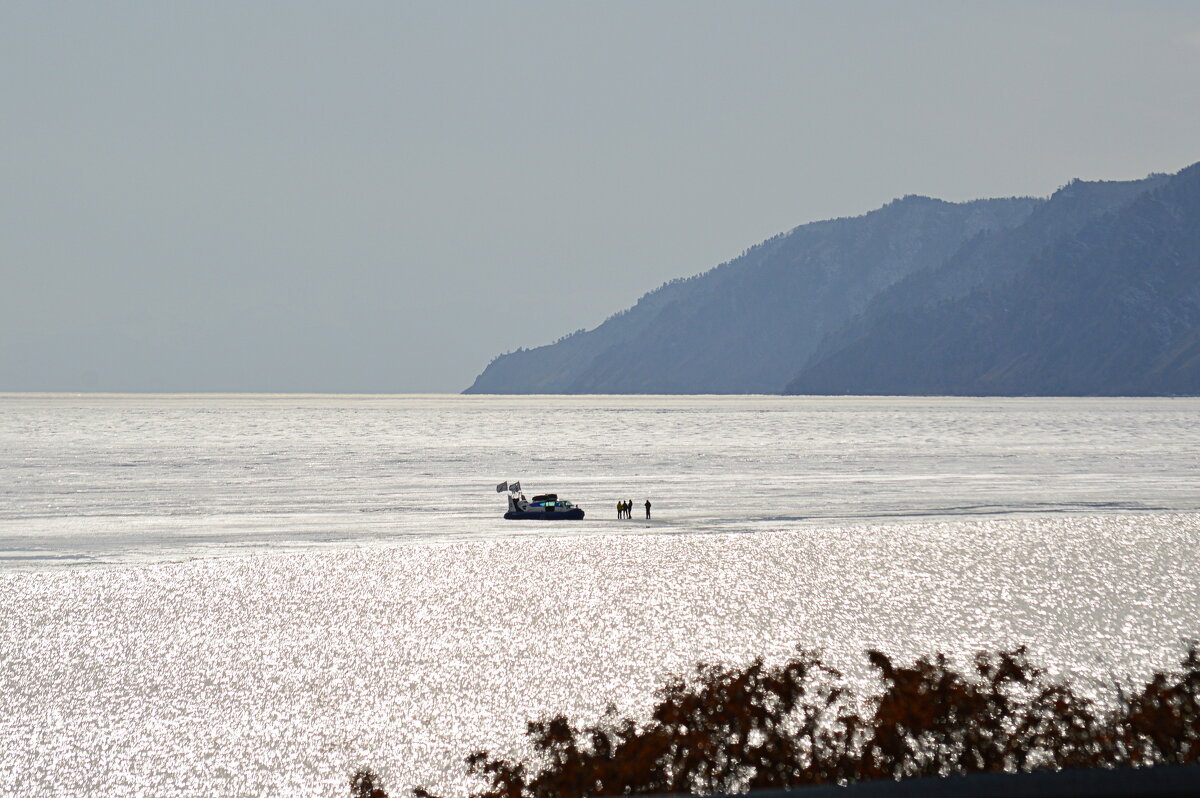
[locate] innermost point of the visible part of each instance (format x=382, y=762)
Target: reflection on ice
x=370, y=606
x=281, y=674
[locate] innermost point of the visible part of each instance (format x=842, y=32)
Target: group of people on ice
x=625, y=509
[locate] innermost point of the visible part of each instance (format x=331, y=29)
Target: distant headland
x=1092, y=291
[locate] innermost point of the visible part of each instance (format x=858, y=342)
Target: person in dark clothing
x=647, y=508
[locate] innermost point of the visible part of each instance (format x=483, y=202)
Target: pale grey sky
x=381, y=196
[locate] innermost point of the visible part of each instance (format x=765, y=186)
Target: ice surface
x=130, y=479
x=369, y=607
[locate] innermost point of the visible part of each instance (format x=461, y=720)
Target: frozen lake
x=255, y=595
x=116, y=480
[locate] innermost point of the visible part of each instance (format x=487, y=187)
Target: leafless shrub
x=733, y=729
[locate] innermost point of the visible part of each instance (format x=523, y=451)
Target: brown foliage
x=729, y=729
x=362, y=785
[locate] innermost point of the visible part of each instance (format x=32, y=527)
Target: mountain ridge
x=691, y=335
x=907, y=298
x=1113, y=308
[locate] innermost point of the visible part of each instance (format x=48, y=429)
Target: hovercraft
x=546, y=507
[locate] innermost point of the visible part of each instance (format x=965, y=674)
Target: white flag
x=503, y=486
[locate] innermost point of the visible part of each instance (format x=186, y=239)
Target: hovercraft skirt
x=574, y=514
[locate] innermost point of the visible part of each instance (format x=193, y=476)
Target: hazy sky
x=300, y=196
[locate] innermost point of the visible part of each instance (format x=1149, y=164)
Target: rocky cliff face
x=747, y=326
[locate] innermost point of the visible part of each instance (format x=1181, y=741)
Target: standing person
x=647, y=509
x=620, y=510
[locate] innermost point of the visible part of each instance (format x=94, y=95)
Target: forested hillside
x=1110, y=308
x=748, y=325
x=1094, y=290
